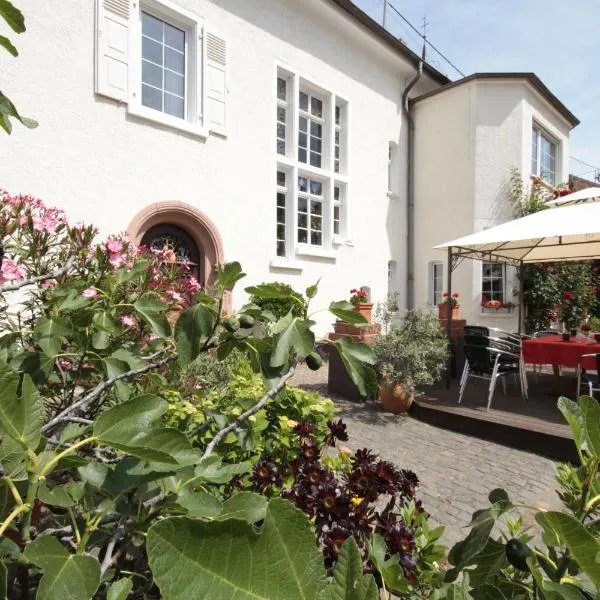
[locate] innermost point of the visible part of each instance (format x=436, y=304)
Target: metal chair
x=592, y=379
x=490, y=358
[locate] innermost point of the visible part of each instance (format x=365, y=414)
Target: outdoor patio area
x=534, y=424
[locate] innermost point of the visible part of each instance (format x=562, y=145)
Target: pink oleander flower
x=11, y=271
x=48, y=283
x=90, y=293
x=117, y=260
x=128, y=321
x=190, y=285
x=114, y=246
x=175, y=296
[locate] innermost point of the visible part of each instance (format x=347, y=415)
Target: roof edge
x=531, y=78
x=363, y=19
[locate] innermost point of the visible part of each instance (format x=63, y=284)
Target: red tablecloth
x=553, y=350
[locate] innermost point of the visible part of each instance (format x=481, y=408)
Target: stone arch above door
x=191, y=220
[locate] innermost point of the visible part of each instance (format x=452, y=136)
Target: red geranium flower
x=567, y=295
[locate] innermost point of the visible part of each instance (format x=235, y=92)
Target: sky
x=559, y=40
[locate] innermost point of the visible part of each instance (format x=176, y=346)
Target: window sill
x=284, y=264
x=340, y=241
x=393, y=195
x=499, y=315
x=149, y=114
x=315, y=252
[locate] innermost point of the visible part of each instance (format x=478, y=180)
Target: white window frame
x=325, y=174
x=502, y=277
x=537, y=133
x=193, y=25
x=433, y=266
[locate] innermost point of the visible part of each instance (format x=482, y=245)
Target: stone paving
x=456, y=471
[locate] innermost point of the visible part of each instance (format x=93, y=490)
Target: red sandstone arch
x=200, y=228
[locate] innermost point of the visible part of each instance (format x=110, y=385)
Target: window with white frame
x=544, y=155
x=311, y=147
x=163, y=62
x=493, y=282
x=436, y=282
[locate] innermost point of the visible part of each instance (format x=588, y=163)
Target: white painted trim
x=282, y=263
x=306, y=250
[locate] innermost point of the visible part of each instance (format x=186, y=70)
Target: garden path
x=456, y=471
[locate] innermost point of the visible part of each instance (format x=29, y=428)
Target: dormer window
x=544, y=152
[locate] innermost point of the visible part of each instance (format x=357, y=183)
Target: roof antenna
x=385, y=10
x=425, y=23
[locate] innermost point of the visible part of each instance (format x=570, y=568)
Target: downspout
x=410, y=190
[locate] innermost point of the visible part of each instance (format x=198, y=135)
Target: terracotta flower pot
x=365, y=310
x=394, y=398
x=455, y=311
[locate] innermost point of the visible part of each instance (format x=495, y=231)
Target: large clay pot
x=455, y=311
x=394, y=398
x=365, y=310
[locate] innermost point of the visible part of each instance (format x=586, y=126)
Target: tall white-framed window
x=436, y=282
x=493, y=282
x=544, y=155
x=281, y=218
x=311, y=147
x=162, y=62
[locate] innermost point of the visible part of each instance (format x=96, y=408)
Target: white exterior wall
x=102, y=165
x=463, y=176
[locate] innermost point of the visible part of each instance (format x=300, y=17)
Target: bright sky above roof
x=557, y=40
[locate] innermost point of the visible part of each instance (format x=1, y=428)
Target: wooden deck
x=535, y=424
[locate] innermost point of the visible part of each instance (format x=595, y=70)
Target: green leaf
x=487, y=591
x=3, y=581
x=212, y=469
x=13, y=459
x=73, y=301
x=21, y=417
x=4, y=41
x=345, y=312
x=151, y=310
x=293, y=333
x=66, y=576
x=230, y=559
x=267, y=291
x=247, y=506
x=193, y=329
x=13, y=16
x=590, y=411
x=573, y=414
x=48, y=334
x=583, y=545
x=311, y=290
x=104, y=325
x=119, y=590
x=62, y=496
x=349, y=583
x=114, y=367
x=229, y=274
x=94, y=473
x=357, y=359
x=125, y=275
x=490, y=561
x=199, y=505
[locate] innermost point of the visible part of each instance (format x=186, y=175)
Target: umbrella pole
x=449, y=319
x=521, y=288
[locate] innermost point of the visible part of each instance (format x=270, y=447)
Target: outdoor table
x=553, y=350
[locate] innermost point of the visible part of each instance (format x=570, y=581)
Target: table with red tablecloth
x=553, y=350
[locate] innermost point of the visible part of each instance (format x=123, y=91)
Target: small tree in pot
x=410, y=356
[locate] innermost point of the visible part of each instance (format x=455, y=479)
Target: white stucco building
x=273, y=133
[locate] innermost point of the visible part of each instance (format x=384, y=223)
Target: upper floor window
x=311, y=144
x=493, y=282
x=544, y=152
x=436, y=282
x=162, y=62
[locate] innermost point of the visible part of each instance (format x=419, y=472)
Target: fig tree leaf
x=212, y=469
x=199, y=505
x=349, y=583
x=48, y=334
x=227, y=559
x=151, y=310
x=248, y=506
x=590, y=410
x=21, y=417
x=572, y=412
x=357, y=359
x=296, y=335
x=345, y=312
x=66, y=576
x=119, y=590
x=229, y=274
x=192, y=331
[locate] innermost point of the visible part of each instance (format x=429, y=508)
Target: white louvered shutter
x=112, y=53
x=216, y=82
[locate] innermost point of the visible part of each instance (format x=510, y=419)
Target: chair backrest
x=544, y=333
x=471, y=330
x=478, y=354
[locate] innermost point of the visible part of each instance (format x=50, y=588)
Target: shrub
x=279, y=299
x=413, y=354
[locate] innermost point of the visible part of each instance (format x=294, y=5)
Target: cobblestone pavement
x=456, y=471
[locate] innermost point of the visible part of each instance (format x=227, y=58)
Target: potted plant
x=359, y=300
x=411, y=355
x=453, y=300
x=570, y=312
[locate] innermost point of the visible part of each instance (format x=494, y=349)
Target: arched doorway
x=176, y=239
x=187, y=229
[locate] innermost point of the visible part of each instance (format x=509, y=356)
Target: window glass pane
x=301, y=155
x=302, y=205
x=302, y=221
x=302, y=236
x=302, y=124
x=151, y=97
x=174, y=83
x=336, y=193
x=175, y=61
x=281, y=88
x=315, y=238
x=303, y=101
x=281, y=215
x=315, y=208
x=316, y=107
x=302, y=140
x=175, y=38
x=316, y=129
x=152, y=74
x=280, y=232
x=315, y=144
x=338, y=112
x=280, y=248
x=315, y=159
x=152, y=27
x=315, y=223
x=280, y=131
x=280, y=147
x=174, y=106
x=303, y=184
x=281, y=113
x=152, y=51
x=316, y=188
x=281, y=178
x=336, y=220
